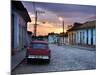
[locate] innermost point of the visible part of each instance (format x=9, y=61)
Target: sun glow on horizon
x=44, y=29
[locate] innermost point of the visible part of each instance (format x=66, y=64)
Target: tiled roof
x=75, y=26
x=90, y=24
x=86, y=25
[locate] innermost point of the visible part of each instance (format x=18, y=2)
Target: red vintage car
x=38, y=50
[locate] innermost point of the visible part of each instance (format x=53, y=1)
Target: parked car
x=38, y=51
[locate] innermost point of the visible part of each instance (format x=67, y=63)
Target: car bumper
x=37, y=57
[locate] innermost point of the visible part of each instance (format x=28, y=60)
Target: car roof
x=38, y=41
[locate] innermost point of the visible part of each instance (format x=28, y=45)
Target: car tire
x=28, y=61
x=48, y=61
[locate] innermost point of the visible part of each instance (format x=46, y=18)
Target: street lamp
x=62, y=20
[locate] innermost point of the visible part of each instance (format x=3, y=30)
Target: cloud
x=69, y=12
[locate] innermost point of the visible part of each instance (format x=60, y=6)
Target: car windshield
x=39, y=46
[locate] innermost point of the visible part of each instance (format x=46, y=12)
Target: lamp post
x=62, y=20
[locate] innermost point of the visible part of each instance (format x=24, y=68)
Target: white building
x=83, y=34
x=62, y=39
x=19, y=19
x=52, y=38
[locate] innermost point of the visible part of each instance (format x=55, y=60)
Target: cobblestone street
x=63, y=58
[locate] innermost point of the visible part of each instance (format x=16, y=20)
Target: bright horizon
x=44, y=29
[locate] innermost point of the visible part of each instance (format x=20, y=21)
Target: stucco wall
x=82, y=36
x=94, y=36
x=19, y=31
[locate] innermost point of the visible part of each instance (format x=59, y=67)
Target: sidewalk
x=86, y=47
x=91, y=48
x=17, y=59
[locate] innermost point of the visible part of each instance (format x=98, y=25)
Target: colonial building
x=83, y=34
x=62, y=38
x=19, y=19
x=59, y=39
x=52, y=38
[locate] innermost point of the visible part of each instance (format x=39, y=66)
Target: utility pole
x=35, y=25
x=63, y=30
x=36, y=17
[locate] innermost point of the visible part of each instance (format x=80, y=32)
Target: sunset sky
x=51, y=13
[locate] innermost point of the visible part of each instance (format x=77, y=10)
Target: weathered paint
x=20, y=32
x=16, y=30
x=94, y=36
x=52, y=38
x=83, y=36
x=89, y=36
